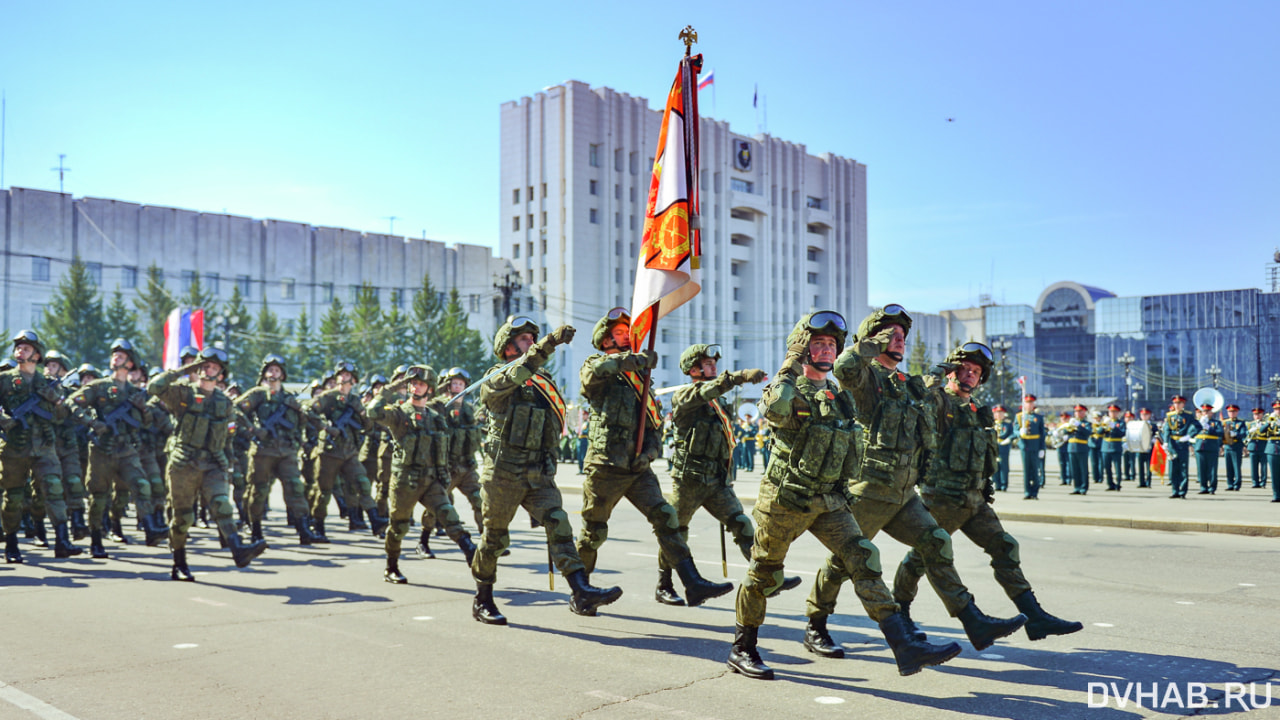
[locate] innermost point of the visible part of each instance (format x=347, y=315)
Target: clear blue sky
x=1128, y=145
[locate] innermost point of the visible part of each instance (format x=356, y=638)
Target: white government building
x=784, y=231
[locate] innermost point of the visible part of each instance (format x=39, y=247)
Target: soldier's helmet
x=424, y=373
x=454, y=372
x=29, y=337
x=377, y=379
x=606, y=323
x=508, y=331
x=974, y=352
x=8, y=364
x=892, y=314
x=217, y=355
x=53, y=356
x=347, y=366
x=126, y=347
x=87, y=372
x=234, y=387
x=822, y=322
x=188, y=353
x=154, y=372
x=399, y=372
x=695, y=353
x=278, y=361
x=143, y=368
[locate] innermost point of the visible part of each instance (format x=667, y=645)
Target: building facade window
x=40, y=269
x=515, y=223
x=593, y=187
x=287, y=289
x=515, y=196
x=326, y=292
x=740, y=185
x=515, y=251
x=593, y=156
x=129, y=277
x=212, y=283
x=813, y=203
x=242, y=282
x=813, y=278
x=95, y=272
x=594, y=216
x=37, y=314
x=188, y=279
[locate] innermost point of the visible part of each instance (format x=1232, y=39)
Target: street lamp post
x=225, y=322
x=1002, y=345
x=1127, y=361
x=1214, y=372
x=1136, y=387
x=1275, y=380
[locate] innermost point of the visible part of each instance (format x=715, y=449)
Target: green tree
x=457, y=344
x=920, y=359
x=154, y=304
x=368, y=343
x=306, y=362
x=121, y=321
x=396, y=332
x=197, y=297
x=268, y=337
x=335, y=330
x=421, y=344
x=74, y=323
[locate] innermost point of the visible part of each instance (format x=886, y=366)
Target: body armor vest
x=817, y=457
x=968, y=450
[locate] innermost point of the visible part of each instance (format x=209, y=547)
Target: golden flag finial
x=689, y=36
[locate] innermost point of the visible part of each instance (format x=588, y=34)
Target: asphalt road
x=315, y=633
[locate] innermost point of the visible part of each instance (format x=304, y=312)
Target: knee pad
x=448, y=515
x=556, y=520
x=664, y=520
x=53, y=485
x=399, y=529
x=741, y=527
x=765, y=578
x=935, y=547
x=596, y=534
x=222, y=507
x=861, y=559
x=1003, y=549
x=496, y=540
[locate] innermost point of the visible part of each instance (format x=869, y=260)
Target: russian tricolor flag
x=184, y=327
x=707, y=81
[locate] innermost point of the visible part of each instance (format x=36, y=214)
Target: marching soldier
x=611, y=382
x=899, y=412
x=1235, y=433
x=343, y=419
x=31, y=404
x=1208, y=444
x=371, y=450
x=703, y=454
x=198, y=463
x=1258, y=448
x=467, y=435
x=1004, y=436
x=151, y=440
x=113, y=409
x=276, y=424
x=1078, y=432
x=1031, y=440
x=805, y=488
x=955, y=491
x=1177, y=433
x=526, y=416
x=1112, y=431
x=67, y=446
x=420, y=465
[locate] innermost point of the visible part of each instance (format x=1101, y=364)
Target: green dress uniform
x=1031, y=441
x=276, y=422
x=1077, y=436
x=419, y=473
x=29, y=450
x=1235, y=433
x=1208, y=444
x=1176, y=426
x=1258, y=452
x=1095, y=452
x=1004, y=437
x=1112, y=436
x=344, y=422
x=956, y=493
x=1271, y=431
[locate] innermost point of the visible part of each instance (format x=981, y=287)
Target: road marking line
x=991, y=656
x=1183, y=602
x=424, y=617
x=185, y=646
x=214, y=603
x=1103, y=625
x=828, y=700
x=712, y=562
x=1247, y=585
x=33, y=705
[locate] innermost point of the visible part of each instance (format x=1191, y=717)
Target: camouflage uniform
x=467, y=436
x=29, y=449
x=344, y=420
x=276, y=422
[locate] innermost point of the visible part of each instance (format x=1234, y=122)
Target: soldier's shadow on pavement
x=712, y=649
x=298, y=595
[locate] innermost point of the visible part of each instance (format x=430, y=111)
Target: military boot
x=62, y=547
x=305, y=536
x=665, y=592
x=117, y=533
x=154, y=533
x=913, y=655
x=96, y=549
x=12, y=554
x=377, y=523
x=914, y=630
x=788, y=583
x=743, y=656
x=79, y=528
x=1041, y=624
x=40, y=534
x=984, y=630
x=244, y=554
x=27, y=526
x=180, y=571
x=255, y=530
x=424, y=546
x=483, y=608
x=318, y=525
x=468, y=548
x=586, y=597
x=392, y=573
x=818, y=641
x=355, y=519
x=696, y=589
x=342, y=506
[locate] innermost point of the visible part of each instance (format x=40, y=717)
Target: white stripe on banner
x=33, y=705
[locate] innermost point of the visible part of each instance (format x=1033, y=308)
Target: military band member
x=197, y=455
x=526, y=417
x=1258, y=448
x=1064, y=457
x=1031, y=431
x=611, y=382
x=1208, y=444
x=1235, y=434
x=1112, y=431
x=1177, y=433
x=958, y=494
x=1272, y=433
x=805, y=488
x=1005, y=435
x=1079, y=429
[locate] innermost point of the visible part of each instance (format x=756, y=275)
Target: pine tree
x=233, y=331
x=422, y=343
x=268, y=337
x=197, y=297
x=306, y=362
x=121, y=321
x=368, y=342
x=335, y=331
x=73, y=322
x=458, y=345
x=920, y=360
x=396, y=331
x=154, y=304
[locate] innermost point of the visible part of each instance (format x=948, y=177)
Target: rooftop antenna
x=393, y=219
x=62, y=171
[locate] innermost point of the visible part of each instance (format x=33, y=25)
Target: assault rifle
x=31, y=405
x=121, y=413
x=347, y=420
x=277, y=419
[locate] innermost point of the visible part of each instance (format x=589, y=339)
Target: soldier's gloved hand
x=99, y=428
x=799, y=346
x=50, y=393
x=989, y=492
x=330, y=430
x=944, y=368
x=650, y=358
x=563, y=335
x=750, y=375
x=1041, y=454
x=190, y=367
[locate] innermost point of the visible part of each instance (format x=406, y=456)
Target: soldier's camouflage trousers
x=718, y=497
x=329, y=470
x=186, y=480
x=833, y=525
x=910, y=524
x=155, y=477
x=467, y=480
x=975, y=518
x=604, y=487
x=73, y=492
x=428, y=488
x=533, y=488
x=263, y=470
x=121, y=472
x=45, y=472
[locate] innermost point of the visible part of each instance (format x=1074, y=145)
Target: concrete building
x=783, y=231
x=291, y=266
